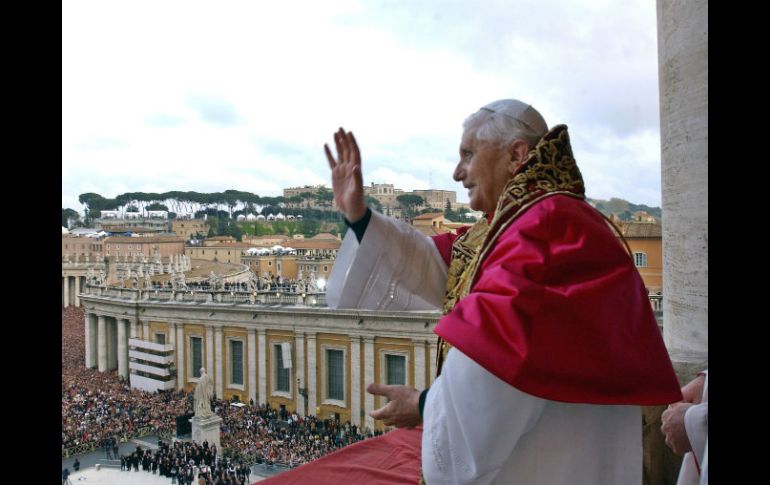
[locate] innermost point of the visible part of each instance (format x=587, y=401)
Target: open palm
x=347, y=182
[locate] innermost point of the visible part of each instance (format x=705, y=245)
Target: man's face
x=484, y=169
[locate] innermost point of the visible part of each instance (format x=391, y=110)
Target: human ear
x=518, y=151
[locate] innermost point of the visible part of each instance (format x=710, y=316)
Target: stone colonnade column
x=312, y=392
x=355, y=380
x=77, y=291
x=91, y=334
x=368, y=377
x=122, y=348
x=299, y=349
x=419, y=364
x=210, y=350
x=261, y=364
x=219, y=361
x=683, y=75
x=433, y=356
x=252, y=361
x=66, y=292
x=102, y=343
x=180, y=348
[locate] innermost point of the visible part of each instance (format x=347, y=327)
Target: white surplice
x=478, y=429
x=696, y=424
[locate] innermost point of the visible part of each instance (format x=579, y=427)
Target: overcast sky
x=210, y=96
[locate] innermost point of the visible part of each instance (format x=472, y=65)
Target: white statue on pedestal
x=203, y=393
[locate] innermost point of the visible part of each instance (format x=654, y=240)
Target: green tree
x=410, y=202
x=373, y=203
x=67, y=215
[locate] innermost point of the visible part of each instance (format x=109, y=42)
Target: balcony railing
x=197, y=296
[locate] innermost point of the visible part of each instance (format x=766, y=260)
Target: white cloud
x=209, y=97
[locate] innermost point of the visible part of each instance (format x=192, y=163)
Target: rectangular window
x=396, y=369
x=160, y=338
x=196, y=349
x=335, y=375
x=640, y=259
x=236, y=362
x=282, y=375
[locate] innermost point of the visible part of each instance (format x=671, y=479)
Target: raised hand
x=347, y=182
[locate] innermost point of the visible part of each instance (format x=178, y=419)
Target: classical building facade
x=304, y=357
x=223, y=252
x=645, y=239
x=166, y=246
x=189, y=228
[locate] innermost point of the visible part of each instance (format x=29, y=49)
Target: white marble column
x=102, y=343
x=146, y=331
x=355, y=380
x=91, y=332
x=261, y=366
x=299, y=361
x=684, y=130
x=419, y=364
x=251, y=347
x=368, y=378
x=180, y=351
x=312, y=393
x=433, y=356
x=219, y=362
x=112, y=343
x=133, y=329
x=210, y=350
x=122, y=348
x=66, y=291
x=77, y=291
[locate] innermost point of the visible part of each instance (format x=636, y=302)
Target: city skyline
x=180, y=96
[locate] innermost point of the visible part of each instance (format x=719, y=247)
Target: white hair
x=507, y=120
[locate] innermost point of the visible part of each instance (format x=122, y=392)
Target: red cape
x=391, y=459
x=559, y=311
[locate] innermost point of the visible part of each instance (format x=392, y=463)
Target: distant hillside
x=623, y=209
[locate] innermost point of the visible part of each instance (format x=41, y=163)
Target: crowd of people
x=187, y=463
x=100, y=409
x=259, y=434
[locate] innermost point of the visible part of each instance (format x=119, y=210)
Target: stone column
x=299, y=350
x=133, y=329
x=102, y=343
x=368, y=378
x=112, y=344
x=218, y=363
x=419, y=364
x=312, y=393
x=66, y=291
x=252, y=349
x=683, y=75
x=433, y=355
x=77, y=291
x=146, y=331
x=180, y=348
x=209, y=350
x=261, y=364
x=355, y=380
x=122, y=348
x=91, y=333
